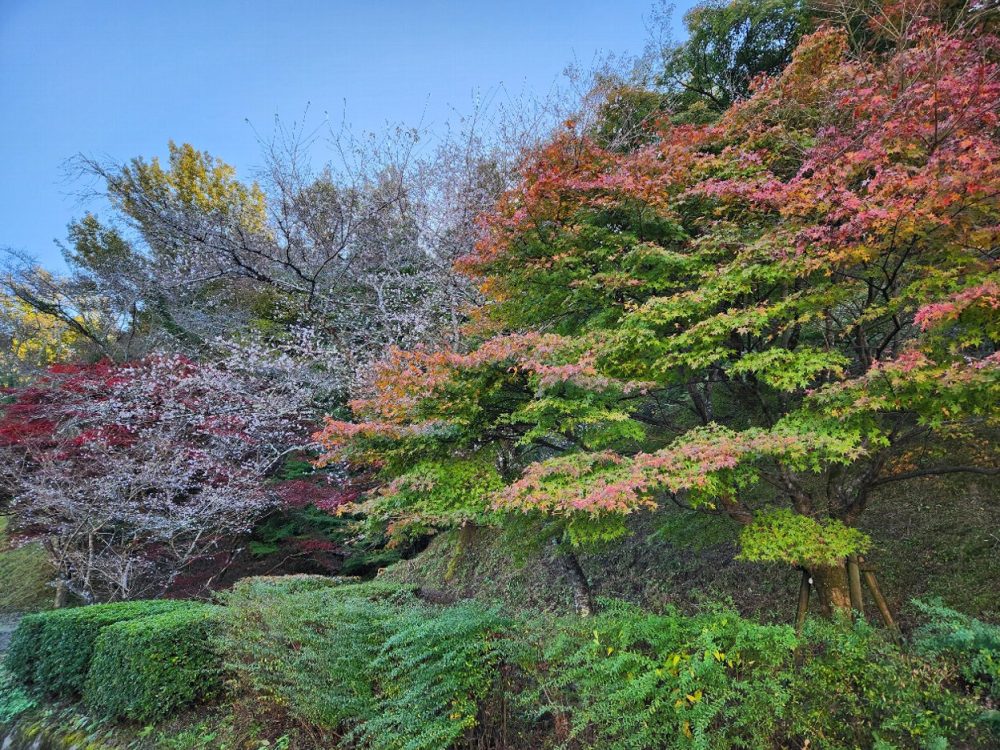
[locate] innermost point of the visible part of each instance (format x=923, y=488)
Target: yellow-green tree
x=192, y=180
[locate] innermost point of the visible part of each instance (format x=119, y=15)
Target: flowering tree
x=769, y=317
x=128, y=474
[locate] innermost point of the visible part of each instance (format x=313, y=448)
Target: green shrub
x=372, y=666
x=267, y=590
x=52, y=650
x=853, y=687
x=308, y=654
x=367, y=659
x=431, y=676
x=290, y=584
x=22, y=652
x=973, y=645
x=146, y=668
x=630, y=679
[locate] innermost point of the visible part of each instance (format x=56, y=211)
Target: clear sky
x=119, y=79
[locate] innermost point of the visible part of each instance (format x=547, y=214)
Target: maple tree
x=129, y=474
x=770, y=316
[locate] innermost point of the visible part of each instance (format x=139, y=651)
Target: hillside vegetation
x=665, y=417
x=314, y=663
x=936, y=552
x=26, y=575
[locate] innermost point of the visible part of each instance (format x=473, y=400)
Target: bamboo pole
x=800, y=615
x=880, y=602
x=854, y=581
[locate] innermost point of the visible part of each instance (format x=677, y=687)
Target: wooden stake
x=800, y=615
x=880, y=602
x=854, y=581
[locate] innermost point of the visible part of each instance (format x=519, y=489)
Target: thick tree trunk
x=832, y=588
x=583, y=598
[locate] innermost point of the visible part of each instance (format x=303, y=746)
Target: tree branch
x=937, y=471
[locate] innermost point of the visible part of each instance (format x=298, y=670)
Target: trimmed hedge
x=253, y=593
x=145, y=669
x=22, y=652
x=51, y=651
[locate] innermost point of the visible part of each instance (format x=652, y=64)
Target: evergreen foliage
x=972, y=644
x=631, y=679
x=852, y=687
x=14, y=700
x=730, y=43
x=377, y=668
x=260, y=586
x=372, y=665
x=368, y=660
x=146, y=669
x=52, y=650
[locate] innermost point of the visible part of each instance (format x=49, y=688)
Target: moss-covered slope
x=925, y=543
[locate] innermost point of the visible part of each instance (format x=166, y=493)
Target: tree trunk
x=62, y=594
x=583, y=598
x=830, y=582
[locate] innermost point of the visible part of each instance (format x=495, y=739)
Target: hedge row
x=256, y=586
x=146, y=669
x=51, y=651
x=372, y=665
x=131, y=660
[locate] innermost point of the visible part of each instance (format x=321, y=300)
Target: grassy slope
x=24, y=577
x=933, y=537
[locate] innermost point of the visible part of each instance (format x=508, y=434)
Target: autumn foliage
x=770, y=316
x=129, y=474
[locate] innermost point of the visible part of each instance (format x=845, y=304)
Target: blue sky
x=120, y=79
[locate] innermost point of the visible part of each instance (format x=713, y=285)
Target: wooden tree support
x=800, y=615
x=880, y=602
x=857, y=571
x=854, y=582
